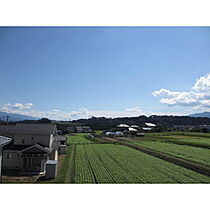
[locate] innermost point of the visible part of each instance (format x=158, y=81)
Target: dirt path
x=186, y=164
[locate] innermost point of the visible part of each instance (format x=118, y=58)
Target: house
x=60, y=144
x=79, y=129
x=31, y=149
x=135, y=126
x=3, y=141
x=86, y=129
x=149, y=127
x=191, y=127
x=70, y=129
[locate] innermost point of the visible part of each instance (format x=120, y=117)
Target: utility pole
x=7, y=119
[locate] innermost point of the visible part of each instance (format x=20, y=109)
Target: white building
x=33, y=145
x=3, y=141
x=149, y=127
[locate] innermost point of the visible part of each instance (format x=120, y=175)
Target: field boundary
x=183, y=163
x=71, y=170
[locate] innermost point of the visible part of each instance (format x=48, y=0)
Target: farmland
x=93, y=160
x=190, y=153
x=194, y=134
x=192, y=139
x=78, y=139
x=119, y=164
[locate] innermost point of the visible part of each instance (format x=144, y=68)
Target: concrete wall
x=33, y=139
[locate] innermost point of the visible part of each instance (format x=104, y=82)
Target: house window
x=23, y=141
x=8, y=156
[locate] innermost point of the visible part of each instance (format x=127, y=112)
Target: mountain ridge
x=202, y=114
x=15, y=117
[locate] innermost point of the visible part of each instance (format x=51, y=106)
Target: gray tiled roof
x=44, y=129
x=46, y=149
x=4, y=140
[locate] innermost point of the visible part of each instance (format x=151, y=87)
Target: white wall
x=33, y=139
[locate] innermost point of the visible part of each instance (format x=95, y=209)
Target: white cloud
x=26, y=109
x=17, y=106
x=202, y=84
x=197, y=97
x=85, y=113
x=22, y=106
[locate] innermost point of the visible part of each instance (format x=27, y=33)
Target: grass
x=79, y=138
x=63, y=168
x=186, y=139
x=69, y=178
x=108, y=163
x=194, y=134
x=193, y=154
x=99, y=132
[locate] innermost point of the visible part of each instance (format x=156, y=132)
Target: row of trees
x=103, y=123
x=162, y=122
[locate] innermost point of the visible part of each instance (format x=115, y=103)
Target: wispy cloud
x=198, y=97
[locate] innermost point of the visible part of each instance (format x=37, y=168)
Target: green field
x=91, y=160
x=194, y=134
x=189, y=153
x=109, y=163
x=179, y=138
x=194, y=141
x=79, y=138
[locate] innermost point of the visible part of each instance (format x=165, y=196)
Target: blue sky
x=104, y=71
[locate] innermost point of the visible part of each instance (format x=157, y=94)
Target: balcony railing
x=33, y=155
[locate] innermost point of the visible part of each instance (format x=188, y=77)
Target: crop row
x=183, y=140
x=189, y=153
x=190, y=134
x=95, y=163
x=193, y=141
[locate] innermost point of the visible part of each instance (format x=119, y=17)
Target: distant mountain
x=203, y=114
x=15, y=117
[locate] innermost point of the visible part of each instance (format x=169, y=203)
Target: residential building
x=86, y=129
x=79, y=129
x=60, y=144
x=191, y=127
x=70, y=129
x=3, y=141
x=31, y=149
x=149, y=127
